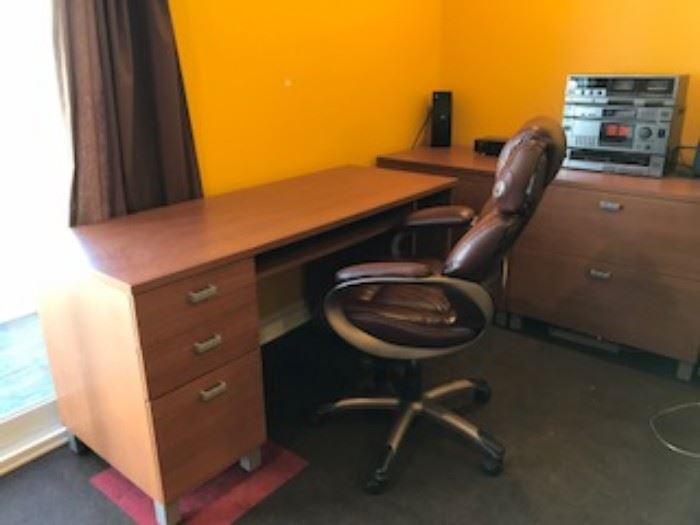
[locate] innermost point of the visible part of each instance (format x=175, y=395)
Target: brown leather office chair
x=404, y=312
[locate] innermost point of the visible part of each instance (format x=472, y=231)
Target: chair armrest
x=383, y=269
x=440, y=216
x=436, y=216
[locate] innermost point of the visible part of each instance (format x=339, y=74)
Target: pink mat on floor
x=222, y=500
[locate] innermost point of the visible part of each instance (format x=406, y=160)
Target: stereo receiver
x=623, y=123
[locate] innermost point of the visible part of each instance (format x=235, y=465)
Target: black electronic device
x=696, y=162
x=441, y=122
x=490, y=146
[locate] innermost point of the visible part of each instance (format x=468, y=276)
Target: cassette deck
x=623, y=123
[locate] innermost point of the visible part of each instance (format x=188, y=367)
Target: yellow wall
x=279, y=88
x=507, y=60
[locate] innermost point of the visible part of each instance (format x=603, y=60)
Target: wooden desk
x=610, y=256
x=474, y=171
x=151, y=320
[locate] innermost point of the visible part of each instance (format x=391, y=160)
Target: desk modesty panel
x=151, y=320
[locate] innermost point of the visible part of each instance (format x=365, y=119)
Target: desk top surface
x=452, y=158
x=458, y=160
x=158, y=245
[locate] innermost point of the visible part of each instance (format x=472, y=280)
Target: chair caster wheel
x=482, y=392
x=492, y=466
x=377, y=482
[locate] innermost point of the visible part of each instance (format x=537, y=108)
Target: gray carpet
x=575, y=424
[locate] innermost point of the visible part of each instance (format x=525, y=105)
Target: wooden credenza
x=610, y=256
x=151, y=320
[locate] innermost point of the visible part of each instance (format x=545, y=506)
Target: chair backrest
x=528, y=163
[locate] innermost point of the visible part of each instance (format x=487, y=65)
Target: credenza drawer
x=639, y=309
x=208, y=424
x=200, y=349
x=655, y=235
x=179, y=306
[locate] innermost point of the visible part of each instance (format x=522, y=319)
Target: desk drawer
x=652, y=312
x=180, y=306
x=648, y=234
x=208, y=424
x=200, y=349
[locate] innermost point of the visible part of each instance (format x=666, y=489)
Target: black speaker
x=441, y=125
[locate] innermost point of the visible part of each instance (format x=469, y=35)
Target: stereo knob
x=645, y=132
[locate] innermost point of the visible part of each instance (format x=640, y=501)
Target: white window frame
x=29, y=434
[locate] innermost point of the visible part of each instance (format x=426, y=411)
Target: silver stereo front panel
x=644, y=165
x=623, y=123
x=642, y=137
x=639, y=90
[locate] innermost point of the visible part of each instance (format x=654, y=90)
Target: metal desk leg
x=75, y=445
x=166, y=513
x=684, y=371
x=251, y=461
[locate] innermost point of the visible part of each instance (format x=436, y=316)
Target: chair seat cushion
x=435, y=265
x=411, y=315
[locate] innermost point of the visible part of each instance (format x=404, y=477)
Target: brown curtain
x=124, y=97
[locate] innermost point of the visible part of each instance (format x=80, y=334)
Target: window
x=34, y=205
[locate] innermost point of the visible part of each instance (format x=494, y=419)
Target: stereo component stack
x=623, y=123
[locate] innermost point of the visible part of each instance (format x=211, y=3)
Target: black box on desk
x=490, y=146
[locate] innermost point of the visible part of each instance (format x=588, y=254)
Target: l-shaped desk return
x=154, y=346
x=605, y=255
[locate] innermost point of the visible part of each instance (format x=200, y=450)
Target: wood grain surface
x=462, y=160
x=197, y=439
x=656, y=236
x=144, y=250
x=95, y=359
x=653, y=312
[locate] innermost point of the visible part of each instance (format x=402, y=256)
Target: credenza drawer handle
x=610, y=206
x=215, y=391
x=199, y=296
x=214, y=342
x=601, y=275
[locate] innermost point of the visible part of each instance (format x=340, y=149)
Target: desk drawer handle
x=215, y=391
x=202, y=295
x=601, y=275
x=611, y=206
x=202, y=347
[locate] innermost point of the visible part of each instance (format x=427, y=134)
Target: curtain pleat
x=125, y=101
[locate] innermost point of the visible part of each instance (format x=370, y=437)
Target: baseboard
x=585, y=340
x=29, y=435
x=39, y=447
x=284, y=320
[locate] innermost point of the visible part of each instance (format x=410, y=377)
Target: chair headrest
x=529, y=161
